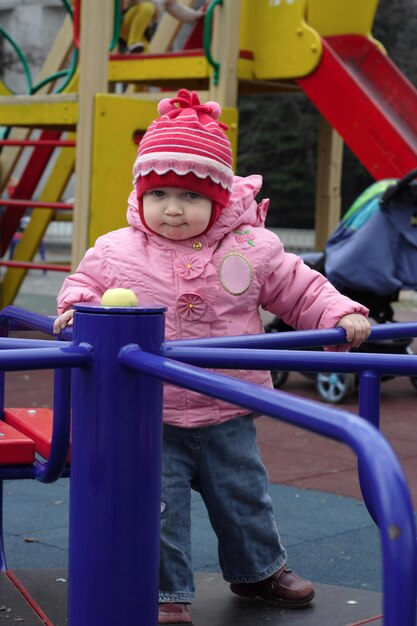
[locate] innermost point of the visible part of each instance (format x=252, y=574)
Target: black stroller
x=370, y=257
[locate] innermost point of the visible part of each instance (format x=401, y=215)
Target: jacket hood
x=242, y=209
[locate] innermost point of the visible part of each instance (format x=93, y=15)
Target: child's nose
x=173, y=207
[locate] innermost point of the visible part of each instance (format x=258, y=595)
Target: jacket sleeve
x=300, y=296
x=88, y=283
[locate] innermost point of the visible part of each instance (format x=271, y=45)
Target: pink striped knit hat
x=188, y=148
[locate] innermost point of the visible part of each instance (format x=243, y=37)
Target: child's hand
x=65, y=319
x=357, y=328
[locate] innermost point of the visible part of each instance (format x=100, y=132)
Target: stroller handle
x=397, y=188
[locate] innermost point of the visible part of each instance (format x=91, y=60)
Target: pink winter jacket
x=213, y=285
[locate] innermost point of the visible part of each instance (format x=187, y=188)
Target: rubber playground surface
x=327, y=530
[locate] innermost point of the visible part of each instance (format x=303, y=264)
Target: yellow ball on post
x=119, y=297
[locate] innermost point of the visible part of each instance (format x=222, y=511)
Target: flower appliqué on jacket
x=196, y=305
x=189, y=266
x=191, y=307
x=243, y=236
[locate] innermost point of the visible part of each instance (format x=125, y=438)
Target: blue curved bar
x=20, y=318
x=54, y=467
x=391, y=499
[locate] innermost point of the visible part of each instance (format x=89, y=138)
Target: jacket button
x=197, y=245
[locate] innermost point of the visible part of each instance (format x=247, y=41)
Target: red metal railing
x=36, y=204
x=36, y=266
x=64, y=143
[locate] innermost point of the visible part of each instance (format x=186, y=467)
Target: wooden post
x=95, y=36
x=329, y=172
x=225, y=50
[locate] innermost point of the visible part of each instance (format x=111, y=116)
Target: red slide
x=366, y=98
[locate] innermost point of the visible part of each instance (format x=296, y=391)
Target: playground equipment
x=51, y=115
x=327, y=52
x=116, y=441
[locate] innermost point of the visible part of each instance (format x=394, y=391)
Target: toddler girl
x=196, y=242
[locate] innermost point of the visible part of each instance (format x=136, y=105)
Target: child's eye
x=157, y=193
x=192, y=195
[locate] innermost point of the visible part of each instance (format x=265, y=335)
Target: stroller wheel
x=279, y=378
x=334, y=388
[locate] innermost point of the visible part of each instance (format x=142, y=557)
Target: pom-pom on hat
x=188, y=148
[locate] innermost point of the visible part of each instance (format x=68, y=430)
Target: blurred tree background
x=278, y=132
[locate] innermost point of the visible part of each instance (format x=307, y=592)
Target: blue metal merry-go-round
x=112, y=412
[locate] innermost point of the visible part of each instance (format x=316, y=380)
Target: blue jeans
x=223, y=463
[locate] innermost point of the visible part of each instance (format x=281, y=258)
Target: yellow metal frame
x=4, y=90
x=163, y=69
x=245, y=69
x=159, y=69
x=283, y=44
x=341, y=17
x=39, y=111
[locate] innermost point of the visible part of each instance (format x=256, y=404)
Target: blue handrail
x=62, y=357
x=45, y=358
x=18, y=343
x=299, y=339
x=293, y=360
x=52, y=469
x=391, y=500
x=21, y=318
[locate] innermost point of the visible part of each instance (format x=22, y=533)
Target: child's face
x=176, y=213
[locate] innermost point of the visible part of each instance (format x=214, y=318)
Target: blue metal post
x=369, y=396
x=369, y=409
x=115, y=472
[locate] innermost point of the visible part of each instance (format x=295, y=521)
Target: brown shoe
x=283, y=588
x=173, y=613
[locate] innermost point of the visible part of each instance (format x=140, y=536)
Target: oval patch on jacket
x=235, y=273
